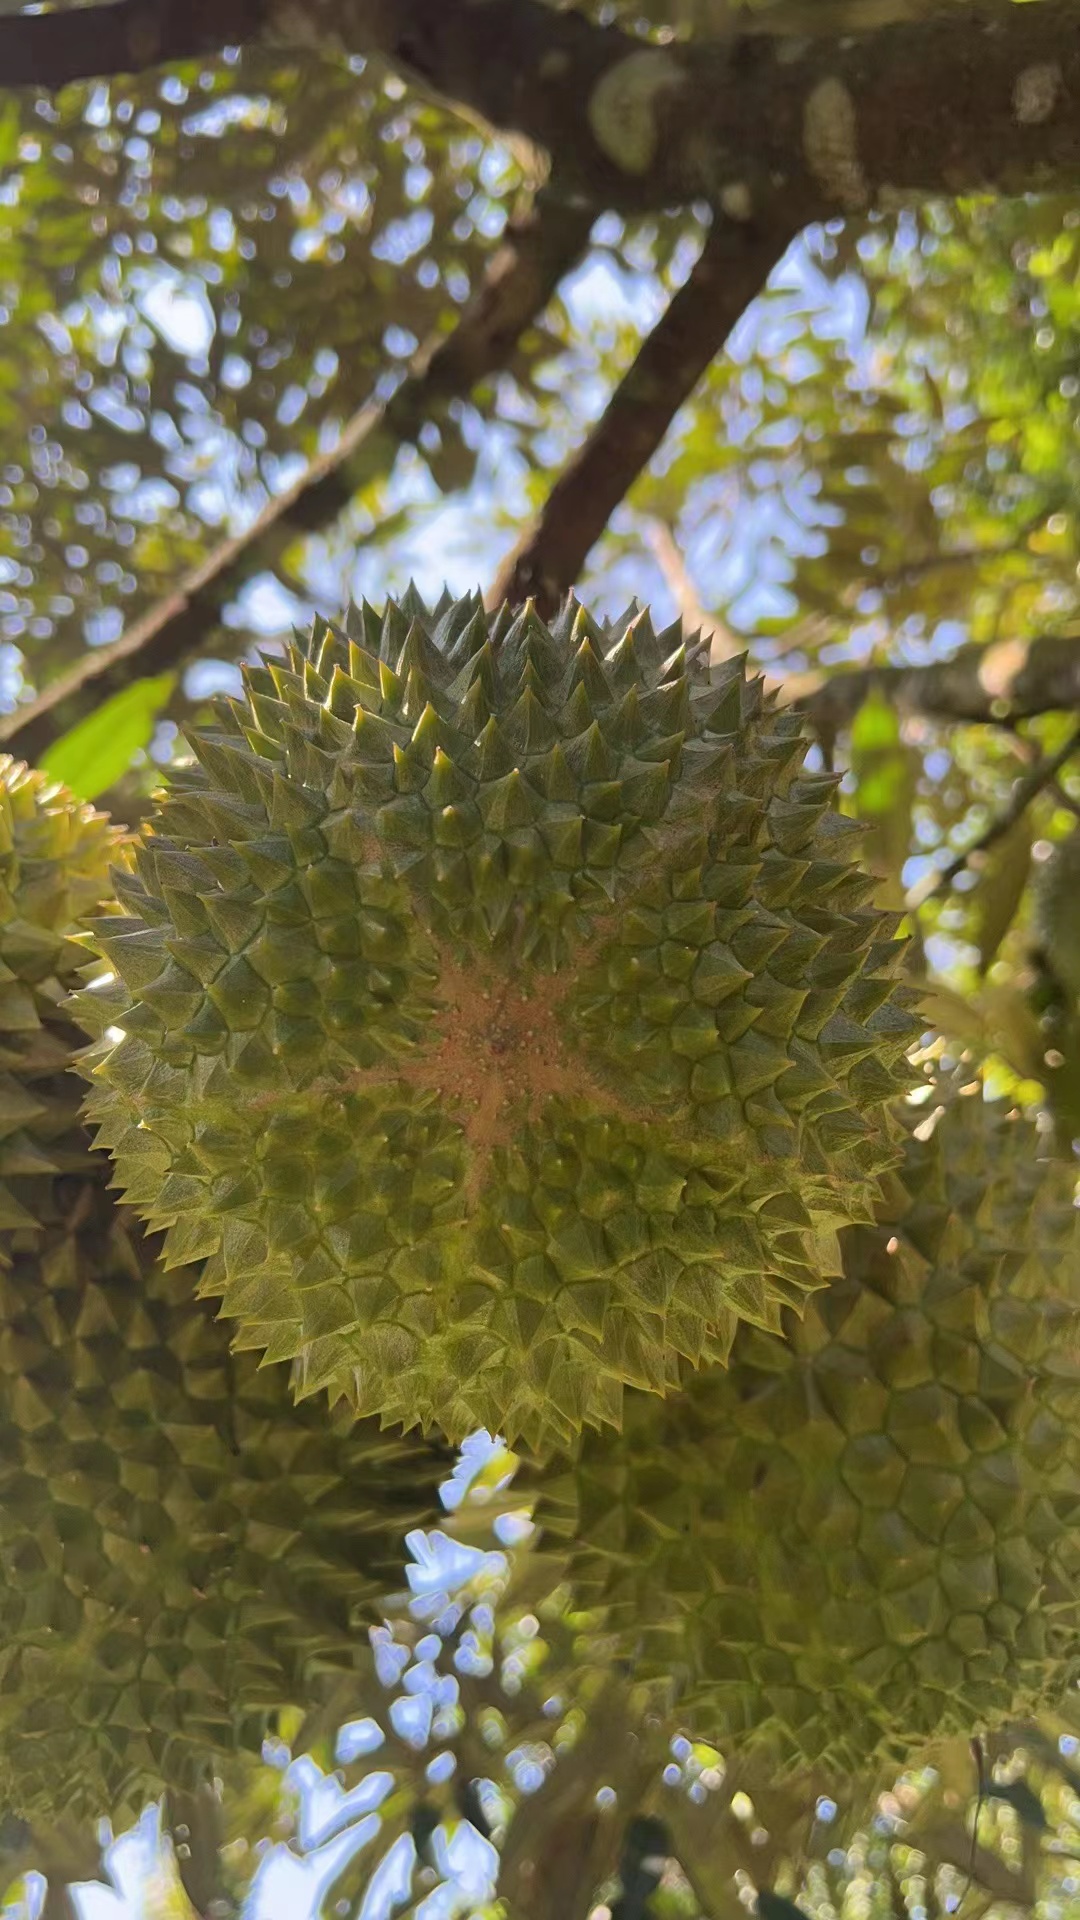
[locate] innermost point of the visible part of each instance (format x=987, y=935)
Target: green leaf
x=94, y=755
x=953, y=1015
x=876, y=725
x=886, y=773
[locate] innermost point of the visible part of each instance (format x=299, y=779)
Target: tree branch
x=59, y=1902
x=125, y=36
x=1042, y=775
x=967, y=99
x=723, y=643
x=945, y=1839
x=539, y=249
x=989, y=685
x=195, y=1825
x=732, y=268
x=971, y=99
x=560, y=1845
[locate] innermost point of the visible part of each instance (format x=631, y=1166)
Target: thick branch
x=970, y=99
x=520, y=281
x=733, y=267
x=126, y=36
x=839, y=122
x=1010, y=681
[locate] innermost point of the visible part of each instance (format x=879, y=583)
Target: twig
x=980, y=1774
x=733, y=266
x=1023, y=793
x=560, y=1844
x=1064, y=799
x=195, y=1825
x=520, y=281
x=947, y=1840
x=723, y=643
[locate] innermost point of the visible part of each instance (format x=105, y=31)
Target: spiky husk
x=865, y=1538
x=183, y=1552
x=55, y=854
x=503, y=1017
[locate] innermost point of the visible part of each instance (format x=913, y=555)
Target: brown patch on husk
x=499, y=1047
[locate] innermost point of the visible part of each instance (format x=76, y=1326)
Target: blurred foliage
x=202, y=275
x=161, y=255
x=883, y=468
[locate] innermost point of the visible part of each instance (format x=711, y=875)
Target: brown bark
x=560, y=1843
x=126, y=36
x=771, y=128
x=969, y=99
x=734, y=263
x=948, y=1840
x=196, y=1827
x=59, y=1903
x=522, y=277
x=1013, y=680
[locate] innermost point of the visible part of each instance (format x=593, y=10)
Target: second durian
x=55, y=856
x=183, y=1553
x=866, y=1537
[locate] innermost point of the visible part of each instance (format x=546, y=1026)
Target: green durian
x=55, y=855
x=866, y=1538
x=499, y=1014
x=183, y=1552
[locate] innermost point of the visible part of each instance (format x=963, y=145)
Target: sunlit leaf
x=886, y=773
x=101, y=748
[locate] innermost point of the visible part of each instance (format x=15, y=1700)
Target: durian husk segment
x=867, y=1538
x=55, y=856
x=183, y=1552
x=503, y=1016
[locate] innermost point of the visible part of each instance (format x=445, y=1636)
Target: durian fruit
x=499, y=1014
x=183, y=1552
x=855, y=1542
x=55, y=855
